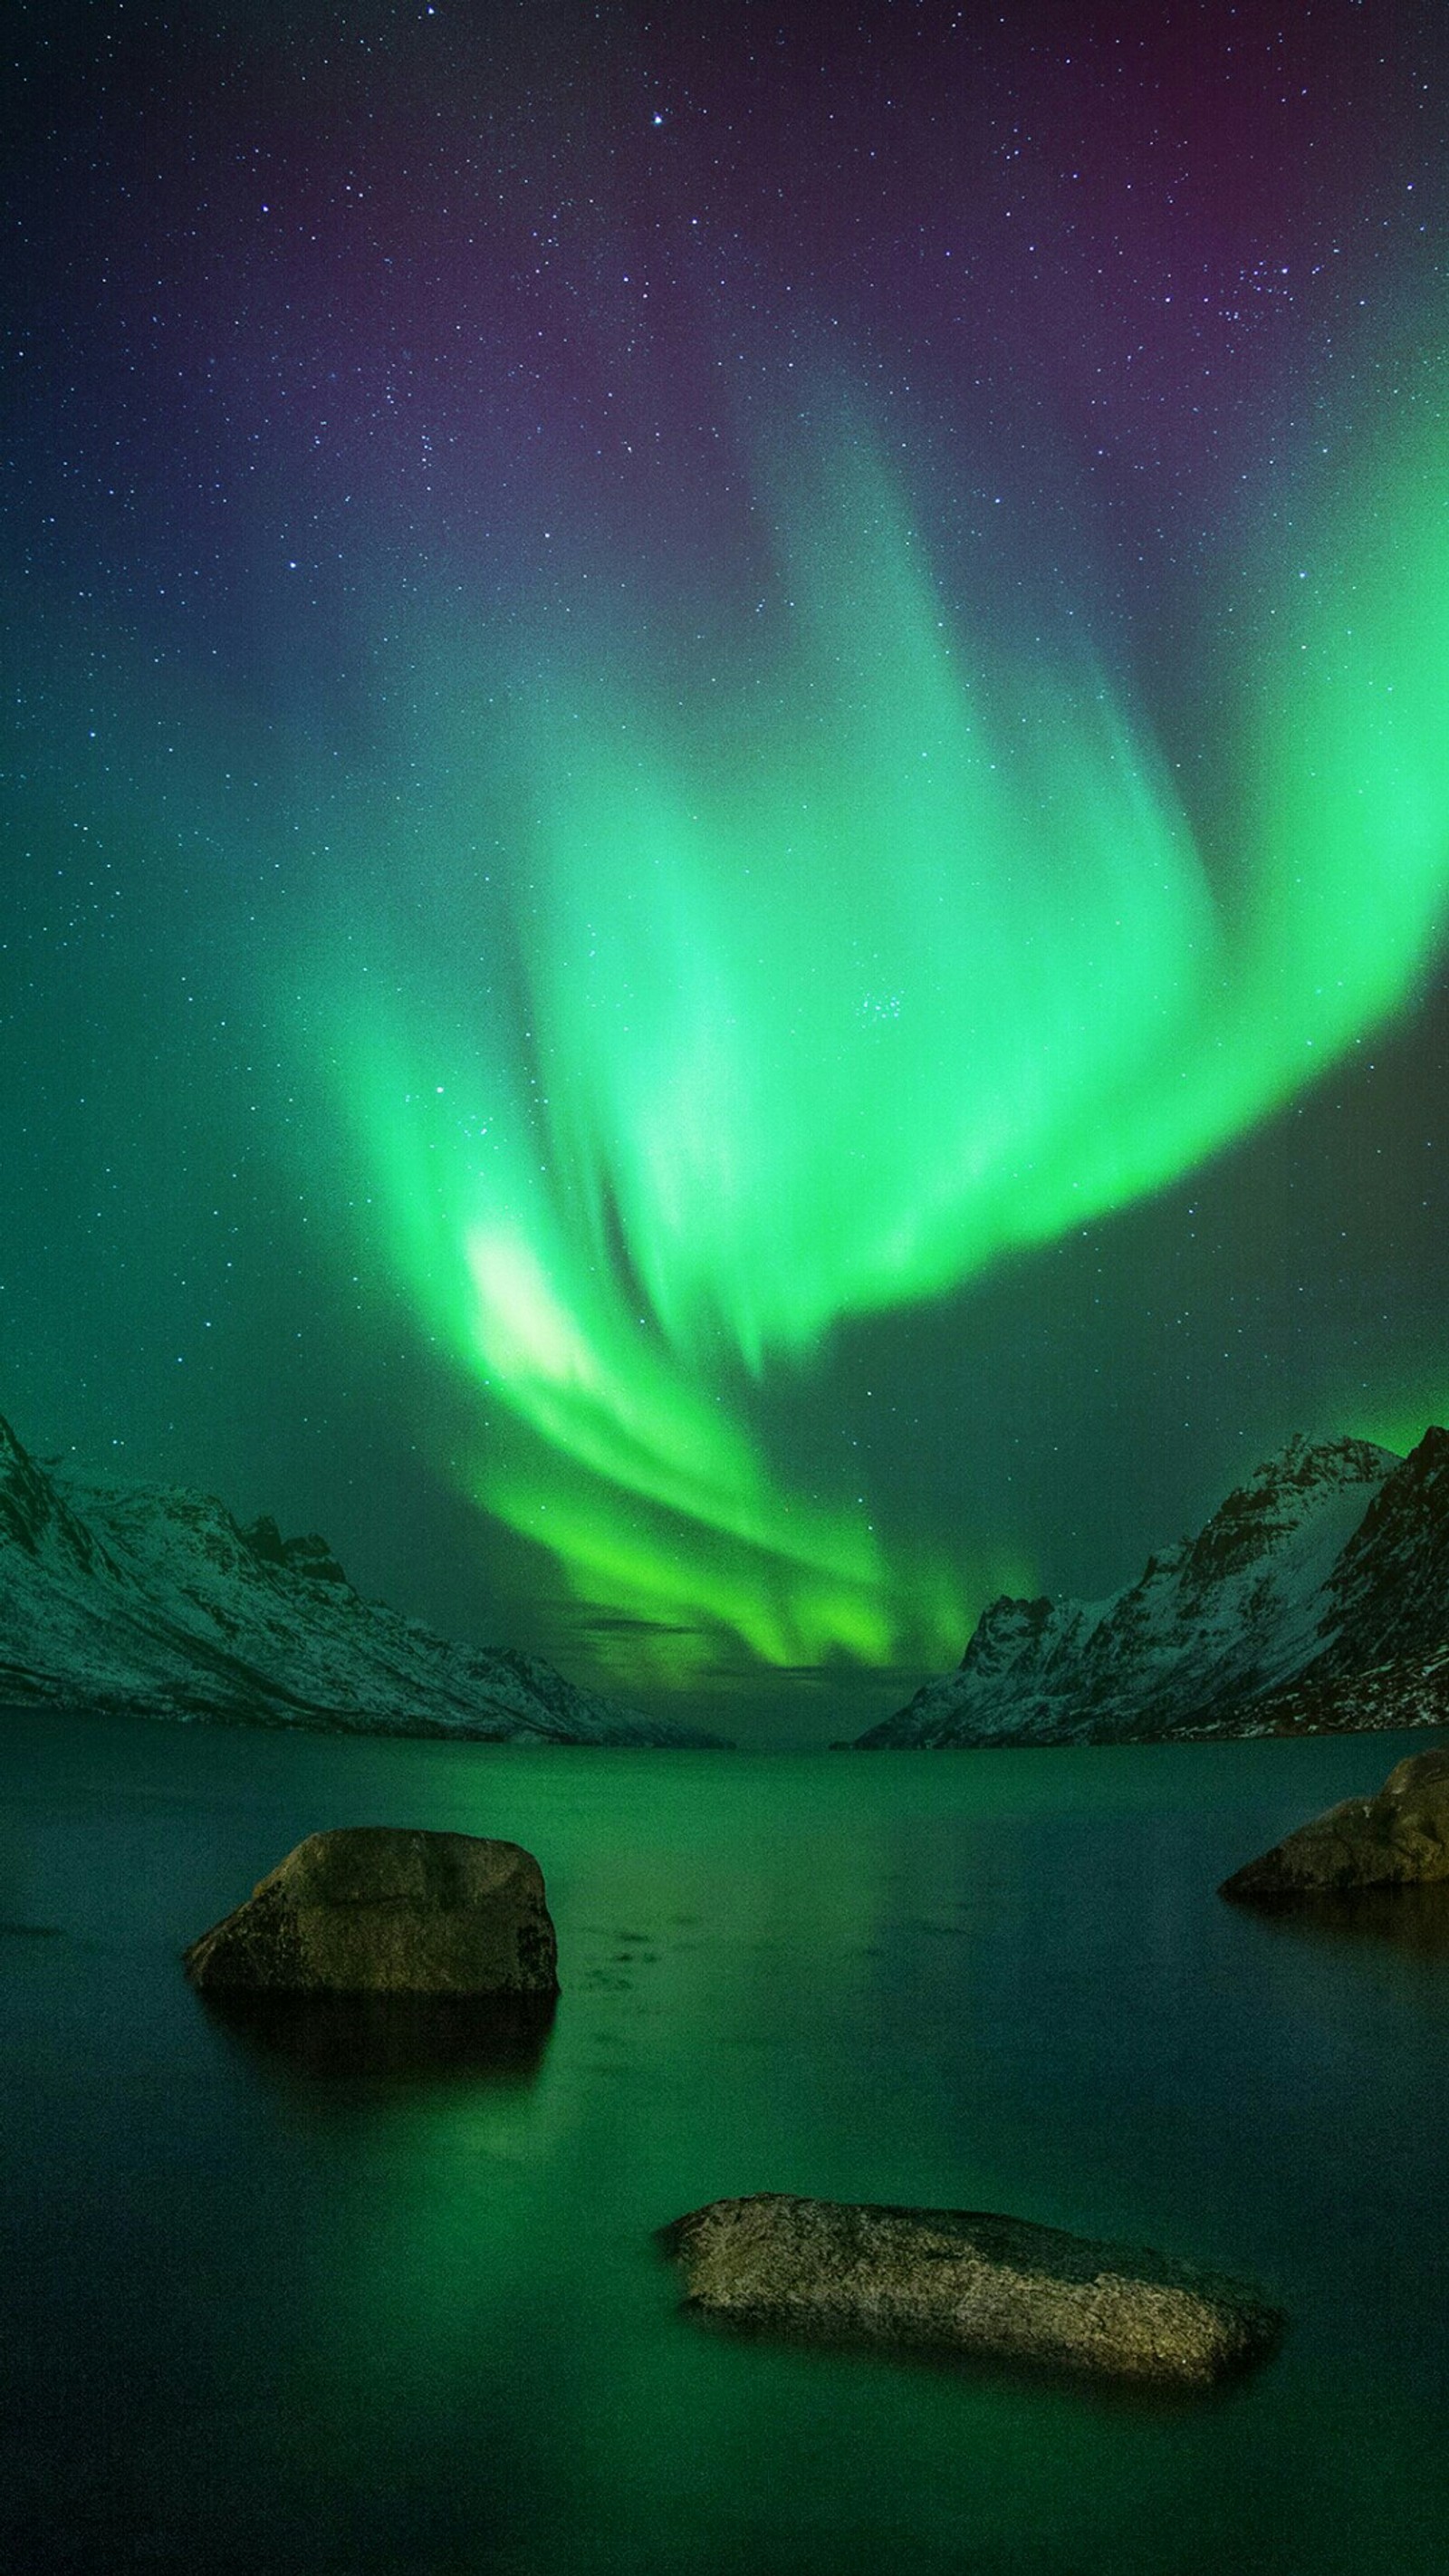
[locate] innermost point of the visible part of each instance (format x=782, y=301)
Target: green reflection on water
x=399, y=2321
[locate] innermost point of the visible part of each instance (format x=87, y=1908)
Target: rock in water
x=375, y=1910
x=1398, y=1839
x=998, y=2288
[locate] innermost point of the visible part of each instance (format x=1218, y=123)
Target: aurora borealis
x=731, y=796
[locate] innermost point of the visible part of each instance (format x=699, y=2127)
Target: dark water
x=259, y=2312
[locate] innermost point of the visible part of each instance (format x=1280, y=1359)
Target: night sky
x=725, y=899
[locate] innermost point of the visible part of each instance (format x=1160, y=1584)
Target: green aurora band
x=896, y=957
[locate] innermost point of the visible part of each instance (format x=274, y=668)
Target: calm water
x=259, y=2315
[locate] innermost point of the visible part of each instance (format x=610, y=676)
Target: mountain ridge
x=154, y=1600
x=1316, y=1596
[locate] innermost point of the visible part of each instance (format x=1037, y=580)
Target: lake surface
x=262, y=2313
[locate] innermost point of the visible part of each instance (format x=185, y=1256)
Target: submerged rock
x=377, y=1910
x=500, y=2040
x=997, y=2288
x=1400, y=1838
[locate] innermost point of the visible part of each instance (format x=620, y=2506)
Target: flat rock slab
x=378, y=1910
x=962, y=2280
x=1399, y=1838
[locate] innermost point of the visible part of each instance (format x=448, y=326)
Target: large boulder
x=1400, y=1838
x=379, y=1910
x=937, y=2279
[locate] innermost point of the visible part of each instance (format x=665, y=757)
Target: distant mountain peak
x=310, y=1556
x=1305, y=1461
x=1269, y=1507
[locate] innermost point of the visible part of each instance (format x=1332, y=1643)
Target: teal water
x=260, y=2313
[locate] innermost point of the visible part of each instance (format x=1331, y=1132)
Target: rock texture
x=1400, y=1838
x=1316, y=1598
x=938, y=2279
x=377, y=1910
x=145, y=1601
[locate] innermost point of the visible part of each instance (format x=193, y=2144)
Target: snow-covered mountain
x=1316, y=1597
x=149, y=1602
